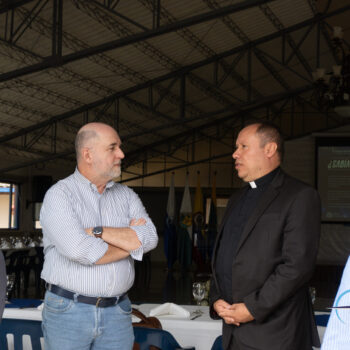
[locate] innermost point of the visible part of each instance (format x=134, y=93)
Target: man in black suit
x=265, y=251
x=2, y=283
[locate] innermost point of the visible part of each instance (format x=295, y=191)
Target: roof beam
x=260, y=104
x=266, y=102
x=51, y=61
x=176, y=73
x=12, y=4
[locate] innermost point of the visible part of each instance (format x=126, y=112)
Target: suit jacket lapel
x=232, y=202
x=269, y=195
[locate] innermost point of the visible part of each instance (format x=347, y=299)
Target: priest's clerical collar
x=252, y=184
x=263, y=181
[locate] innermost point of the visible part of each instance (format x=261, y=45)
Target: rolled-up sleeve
x=63, y=230
x=147, y=234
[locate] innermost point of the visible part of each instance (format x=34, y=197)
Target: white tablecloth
x=199, y=333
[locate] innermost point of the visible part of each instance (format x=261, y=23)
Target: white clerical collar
x=252, y=184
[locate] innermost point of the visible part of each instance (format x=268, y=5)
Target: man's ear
x=270, y=149
x=86, y=155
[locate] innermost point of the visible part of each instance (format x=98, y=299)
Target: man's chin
x=243, y=177
x=116, y=175
x=113, y=175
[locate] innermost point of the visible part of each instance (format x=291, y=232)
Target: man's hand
x=223, y=309
x=89, y=231
x=220, y=305
x=237, y=313
x=233, y=314
x=137, y=222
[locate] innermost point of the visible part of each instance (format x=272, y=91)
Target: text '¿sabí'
x=339, y=163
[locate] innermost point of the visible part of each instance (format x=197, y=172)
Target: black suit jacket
x=2, y=283
x=274, y=262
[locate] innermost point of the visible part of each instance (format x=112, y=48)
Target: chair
x=322, y=320
x=18, y=328
x=217, y=343
x=14, y=263
x=159, y=338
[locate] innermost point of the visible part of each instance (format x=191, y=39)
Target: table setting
x=190, y=325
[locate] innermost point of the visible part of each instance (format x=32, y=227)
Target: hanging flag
x=184, y=242
x=212, y=222
x=170, y=245
x=198, y=237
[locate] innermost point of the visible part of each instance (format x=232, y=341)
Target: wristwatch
x=97, y=231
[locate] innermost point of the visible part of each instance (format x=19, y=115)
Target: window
x=9, y=205
x=37, y=208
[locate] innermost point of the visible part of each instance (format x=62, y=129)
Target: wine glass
x=198, y=290
x=313, y=294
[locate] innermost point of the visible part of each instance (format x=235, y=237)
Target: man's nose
x=235, y=154
x=120, y=154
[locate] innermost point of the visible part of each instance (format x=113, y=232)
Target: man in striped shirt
x=337, y=336
x=93, y=229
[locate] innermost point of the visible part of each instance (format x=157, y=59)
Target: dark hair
x=270, y=133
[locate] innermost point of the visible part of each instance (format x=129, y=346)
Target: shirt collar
x=83, y=180
x=264, y=180
x=252, y=184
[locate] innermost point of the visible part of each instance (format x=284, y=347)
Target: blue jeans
x=69, y=325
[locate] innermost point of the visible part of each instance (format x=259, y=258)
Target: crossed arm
x=121, y=240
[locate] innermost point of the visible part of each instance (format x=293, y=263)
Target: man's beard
x=112, y=173
x=115, y=172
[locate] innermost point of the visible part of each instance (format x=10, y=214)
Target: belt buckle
x=98, y=301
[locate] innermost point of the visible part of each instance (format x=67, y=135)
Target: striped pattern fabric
x=337, y=335
x=70, y=206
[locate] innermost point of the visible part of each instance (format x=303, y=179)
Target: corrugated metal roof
x=214, y=87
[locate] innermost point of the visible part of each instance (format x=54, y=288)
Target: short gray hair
x=82, y=139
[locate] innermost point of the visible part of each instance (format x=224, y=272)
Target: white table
x=200, y=333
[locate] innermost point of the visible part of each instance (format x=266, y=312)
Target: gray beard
x=114, y=173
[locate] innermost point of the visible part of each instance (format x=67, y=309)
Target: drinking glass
x=198, y=290
x=313, y=294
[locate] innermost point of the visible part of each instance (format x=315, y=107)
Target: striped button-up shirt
x=337, y=335
x=74, y=204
